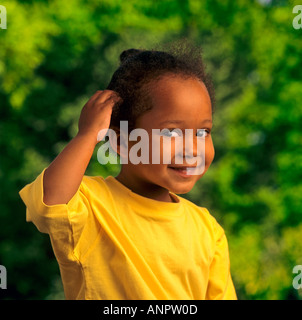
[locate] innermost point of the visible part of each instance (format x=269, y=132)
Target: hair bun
x=128, y=53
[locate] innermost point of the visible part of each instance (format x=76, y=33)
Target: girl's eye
x=171, y=133
x=202, y=133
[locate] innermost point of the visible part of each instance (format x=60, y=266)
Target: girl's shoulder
x=202, y=213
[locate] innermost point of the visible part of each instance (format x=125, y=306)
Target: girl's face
x=177, y=104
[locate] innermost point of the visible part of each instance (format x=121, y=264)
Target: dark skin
x=173, y=99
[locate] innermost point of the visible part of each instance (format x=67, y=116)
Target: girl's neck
x=144, y=188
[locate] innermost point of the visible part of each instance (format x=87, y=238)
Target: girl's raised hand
x=96, y=113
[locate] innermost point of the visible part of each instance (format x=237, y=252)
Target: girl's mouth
x=186, y=171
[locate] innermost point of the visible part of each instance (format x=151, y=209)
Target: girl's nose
x=191, y=144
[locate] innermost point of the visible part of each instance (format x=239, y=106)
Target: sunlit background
x=55, y=54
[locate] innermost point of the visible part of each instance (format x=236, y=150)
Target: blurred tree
x=55, y=54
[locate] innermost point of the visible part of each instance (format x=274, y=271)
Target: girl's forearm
x=64, y=175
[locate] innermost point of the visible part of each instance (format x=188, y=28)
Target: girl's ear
x=120, y=142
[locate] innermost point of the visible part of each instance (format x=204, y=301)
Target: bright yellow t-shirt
x=111, y=243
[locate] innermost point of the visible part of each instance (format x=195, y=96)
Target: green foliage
x=55, y=54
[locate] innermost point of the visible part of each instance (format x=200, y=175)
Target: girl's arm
x=64, y=175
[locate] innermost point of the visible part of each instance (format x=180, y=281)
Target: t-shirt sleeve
x=220, y=285
x=63, y=222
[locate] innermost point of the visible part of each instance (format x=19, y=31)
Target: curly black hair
x=140, y=69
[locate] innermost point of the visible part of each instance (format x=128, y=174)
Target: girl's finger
x=114, y=98
x=106, y=94
x=93, y=98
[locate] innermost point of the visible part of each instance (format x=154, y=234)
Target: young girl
x=131, y=236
